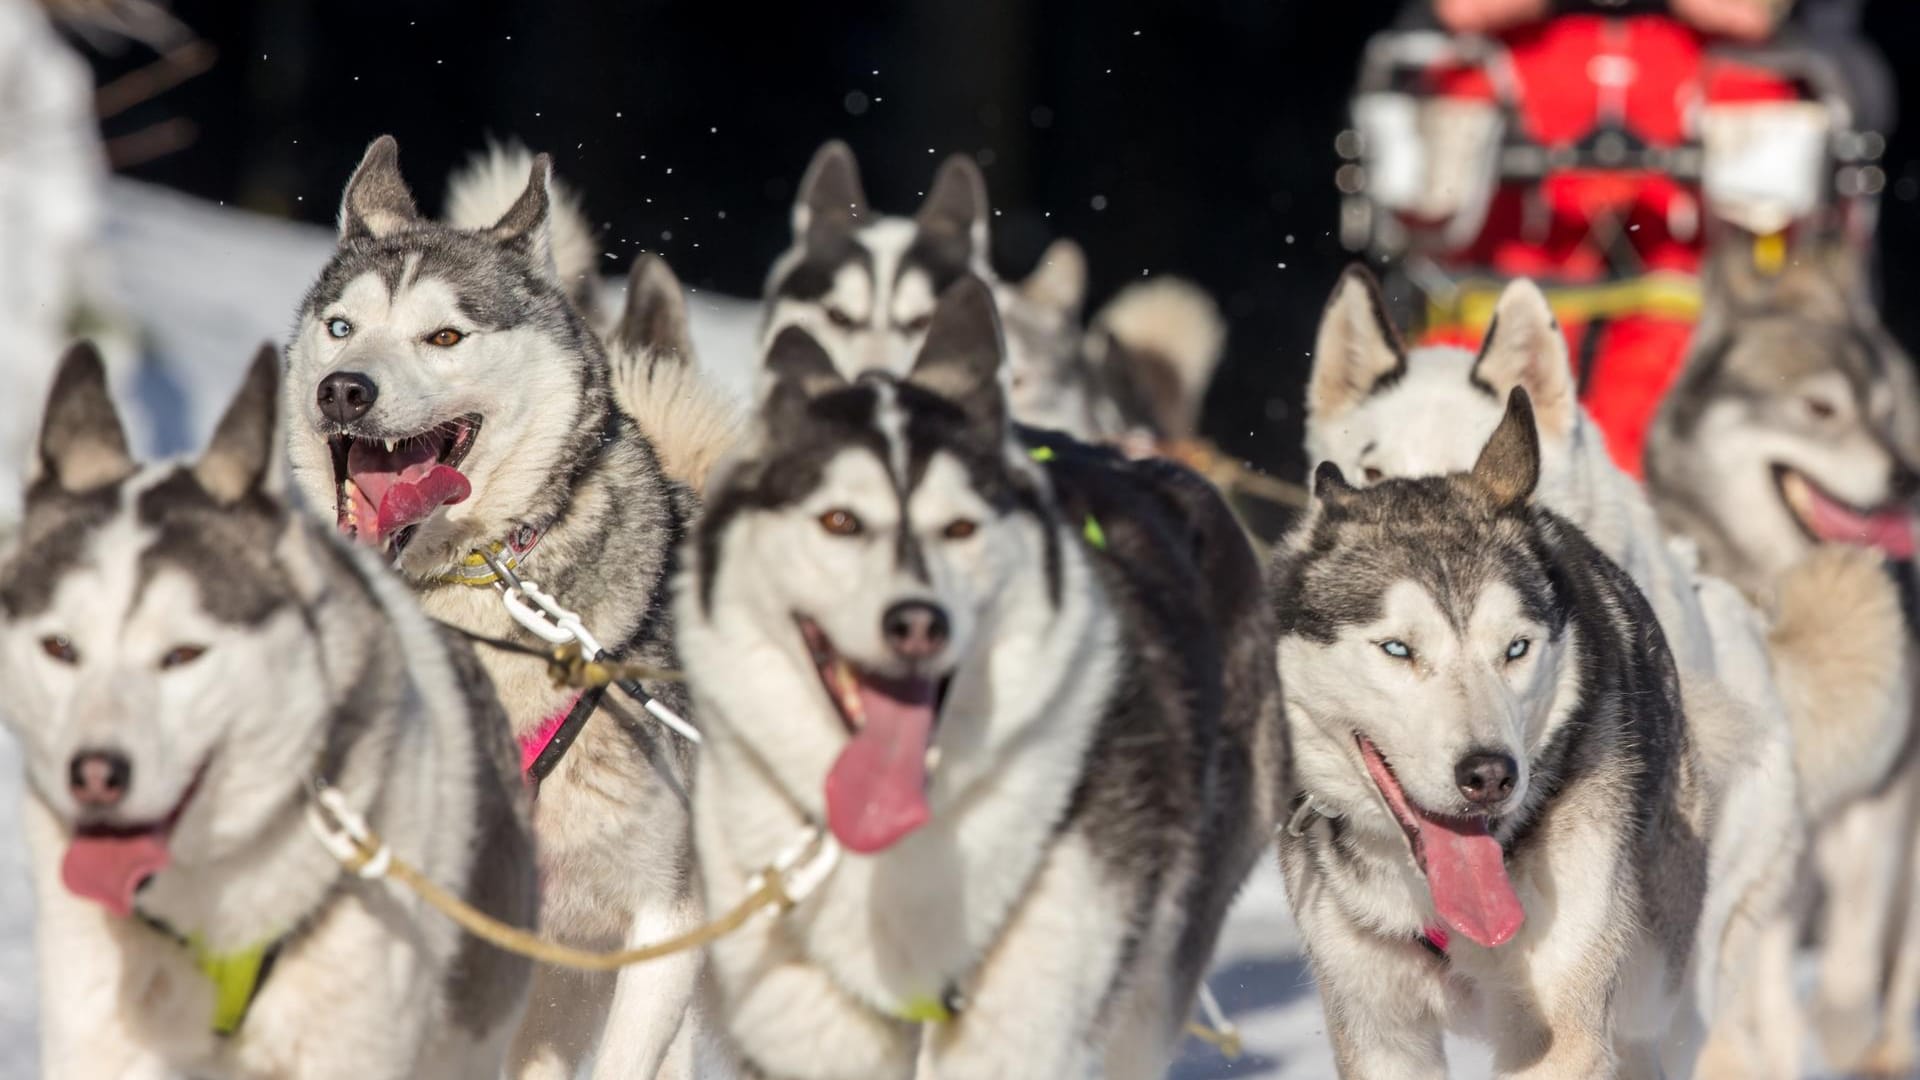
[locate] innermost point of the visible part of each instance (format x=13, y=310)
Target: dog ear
x=1356, y=348
x=796, y=371
x=1059, y=282
x=1525, y=348
x=830, y=195
x=524, y=227
x=244, y=455
x=82, y=444
x=655, y=318
x=377, y=201
x=1509, y=465
x=1330, y=487
x=956, y=204
x=961, y=358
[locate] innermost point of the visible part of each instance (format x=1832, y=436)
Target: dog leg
x=1382, y=997
x=1862, y=884
x=651, y=1001
x=1895, y=1054
x=566, y=1010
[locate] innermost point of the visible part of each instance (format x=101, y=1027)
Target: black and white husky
x=1025, y=689
x=1501, y=821
x=184, y=652
x=447, y=399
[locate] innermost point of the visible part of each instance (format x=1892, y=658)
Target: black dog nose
x=345, y=396
x=1485, y=778
x=914, y=629
x=99, y=778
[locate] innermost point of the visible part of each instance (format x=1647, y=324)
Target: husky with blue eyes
x=1500, y=821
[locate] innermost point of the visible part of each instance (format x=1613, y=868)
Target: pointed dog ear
x=797, y=370
x=244, y=456
x=961, y=358
x=1330, y=487
x=830, y=195
x=1524, y=348
x=82, y=443
x=956, y=204
x=655, y=318
x=377, y=201
x=1509, y=465
x=1356, y=348
x=1059, y=283
x=525, y=225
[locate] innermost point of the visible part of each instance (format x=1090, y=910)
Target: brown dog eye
x=959, y=529
x=446, y=337
x=60, y=648
x=1821, y=408
x=917, y=325
x=182, y=655
x=839, y=318
x=840, y=522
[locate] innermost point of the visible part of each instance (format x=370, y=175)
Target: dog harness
x=542, y=748
x=236, y=976
x=1090, y=528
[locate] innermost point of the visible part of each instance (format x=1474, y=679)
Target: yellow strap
x=1668, y=295
x=1770, y=253
x=476, y=562
x=236, y=979
x=925, y=1010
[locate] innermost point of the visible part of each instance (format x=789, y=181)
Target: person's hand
x=1742, y=20
x=1487, y=16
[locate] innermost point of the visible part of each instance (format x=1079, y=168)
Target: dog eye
x=1820, y=408
x=60, y=648
x=917, y=325
x=840, y=523
x=446, y=337
x=1397, y=649
x=1518, y=648
x=959, y=529
x=182, y=655
x=839, y=318
x=1372, y=474
x=339, y=327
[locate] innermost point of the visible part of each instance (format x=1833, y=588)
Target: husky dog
x=185, y=652
x=447, y=401
x=1794, y=423
x=1378, y=410
x=864, y=284
x=1029, y=694
x=1502, y=819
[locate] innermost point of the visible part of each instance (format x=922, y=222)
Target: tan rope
x=1229, y=474
x=1227, y=1042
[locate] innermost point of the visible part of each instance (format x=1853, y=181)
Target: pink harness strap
x=535, y=742
x=1435, y=936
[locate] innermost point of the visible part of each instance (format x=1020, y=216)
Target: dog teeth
x=392, y=444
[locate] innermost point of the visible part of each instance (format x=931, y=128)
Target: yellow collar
x=516, y=549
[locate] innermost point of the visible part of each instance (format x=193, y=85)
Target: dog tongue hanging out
x=387, y=490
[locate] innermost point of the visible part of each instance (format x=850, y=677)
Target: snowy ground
x=205, y=286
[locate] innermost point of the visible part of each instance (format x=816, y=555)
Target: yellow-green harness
x=1090, y=528
x=236, y=976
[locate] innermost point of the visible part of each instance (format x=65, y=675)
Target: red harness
x=535, y=742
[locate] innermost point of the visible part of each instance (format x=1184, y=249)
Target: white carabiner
x=348, y=836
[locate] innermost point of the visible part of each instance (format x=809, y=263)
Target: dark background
x=1201, y=129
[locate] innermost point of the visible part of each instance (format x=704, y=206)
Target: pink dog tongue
x=410, y=501
x=1466, y=870
x=1890, y=531
x=109, y=869
x=877, y=789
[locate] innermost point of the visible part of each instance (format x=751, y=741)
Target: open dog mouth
x=108, y=863
x=1825, y=517
x=1465, y=868
x=385, y=487
x=877, y=789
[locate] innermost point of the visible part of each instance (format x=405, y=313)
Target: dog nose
x=914, y=629
x=345, y=396
x=1485, y=778
x=99, y=778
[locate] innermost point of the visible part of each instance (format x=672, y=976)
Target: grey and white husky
x=863, y=284
x=447, y=398
x=185, y=652
x=1026, y=689
x=1795, y=423
x=1824, y=697
x=1502, y=820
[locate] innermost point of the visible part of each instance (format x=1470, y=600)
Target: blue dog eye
x=339, y=327
x=1396, y=649
x=1518, y=649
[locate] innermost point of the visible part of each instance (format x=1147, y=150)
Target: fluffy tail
x=1839, y=650
x=691, y=422
x=482, y=190
x=1160, y=341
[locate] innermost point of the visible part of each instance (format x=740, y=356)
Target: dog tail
x=691, y=422
x=486, y=186
x=1838, y=647
x=1160, y=341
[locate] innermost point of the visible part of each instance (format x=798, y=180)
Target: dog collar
x=236, y=976
x=510, y=552
x=928, y=1009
